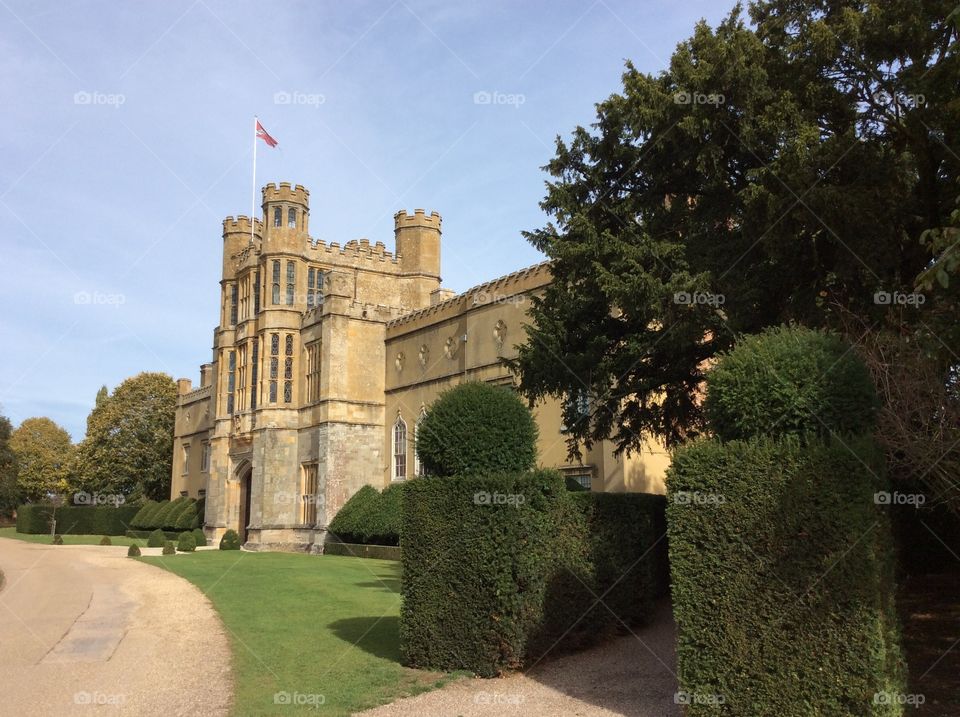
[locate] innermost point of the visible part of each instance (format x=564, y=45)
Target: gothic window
x=276, y=282
x=241, y=393
x=291, y=283
x=292, y=218
x=417, y=465
x=310, y=497
x=288, y=368
x=231, y=379
x=276, y=216
x=399, y=449
x=313, y=372
x=254, y=371
x=274, y=365
x=205, y=457
x=577, y=405
x=186, y=458
x=256, y=292
x=233, y=304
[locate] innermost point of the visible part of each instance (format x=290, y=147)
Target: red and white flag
x=262, y=134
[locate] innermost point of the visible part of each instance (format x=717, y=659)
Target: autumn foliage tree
x=44, y=453
x=128, y=448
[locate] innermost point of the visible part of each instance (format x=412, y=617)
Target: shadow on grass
x=387, y=583
x=379, y=636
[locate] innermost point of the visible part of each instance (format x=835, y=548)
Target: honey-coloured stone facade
x=326, y=355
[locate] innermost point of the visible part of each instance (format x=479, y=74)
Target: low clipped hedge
x=186, y=543
x=143, y=520
x=502, y=570
x=783, y=579
x=76, y=520
x=174, y=516
x=370, y=517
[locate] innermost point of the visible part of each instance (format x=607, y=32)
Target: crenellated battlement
x=419, y=218
x=285, y=192
x=241, y=224
x=357, y=249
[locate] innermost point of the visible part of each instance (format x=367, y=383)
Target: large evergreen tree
x=10, y=493
x=773, y=172
x=129, y=443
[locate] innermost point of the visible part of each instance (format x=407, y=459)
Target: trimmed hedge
x=133, y=551
x=144, y=534
x=168, y=548
x=370, y=517
x=76, y=519
x=477, y=428
x=790, y=380
x=186, y=543
x=157, y=539
x=144, y=518
x=499, y=571
x=783, y=578
x=230, y=540
x=200, y=537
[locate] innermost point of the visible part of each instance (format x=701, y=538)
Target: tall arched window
x=277, y=217
x=292, y=218
x=399, y=449
x=417, y=465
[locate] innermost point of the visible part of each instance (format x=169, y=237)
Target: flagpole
x=253, y=193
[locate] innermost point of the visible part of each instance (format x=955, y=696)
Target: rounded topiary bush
x=168, y=548
x=57, y=540
x=789, y=380
x=186, y=543
x=230, y=541
x=143, y=518
x=133, y=551
x=105, y=540
x=200, y=537
x=477, y=428
x=156, y=539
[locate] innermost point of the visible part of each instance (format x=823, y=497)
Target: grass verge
x=309, y=634
x=68, y=539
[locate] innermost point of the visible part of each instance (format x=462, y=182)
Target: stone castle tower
x=289, y=419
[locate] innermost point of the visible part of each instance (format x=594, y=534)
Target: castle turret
x=418, y=249
x=236, y=238
x=286, y=213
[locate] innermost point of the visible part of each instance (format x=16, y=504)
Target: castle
x=324, y=360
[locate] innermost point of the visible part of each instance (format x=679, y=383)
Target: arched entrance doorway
x=246, y=476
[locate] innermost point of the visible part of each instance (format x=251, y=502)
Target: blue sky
x=127, y=139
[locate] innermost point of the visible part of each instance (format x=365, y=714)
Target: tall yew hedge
x=781, y=558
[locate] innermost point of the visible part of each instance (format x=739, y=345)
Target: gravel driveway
x=84, y=630
x=632, y=675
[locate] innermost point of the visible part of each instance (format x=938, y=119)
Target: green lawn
x=68, y=539
x=308, y=625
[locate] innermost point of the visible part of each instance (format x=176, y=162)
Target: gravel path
x=633, y=675
x=84, y=630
